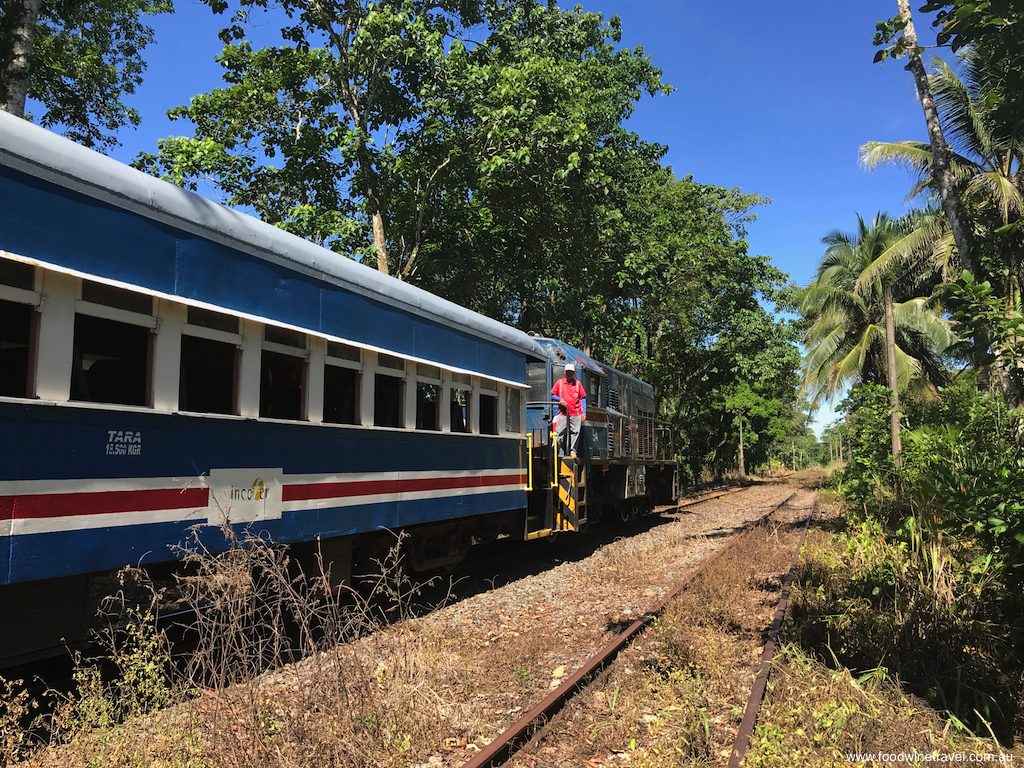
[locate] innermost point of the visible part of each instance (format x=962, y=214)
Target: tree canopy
x=81, y=59
x=478, y=149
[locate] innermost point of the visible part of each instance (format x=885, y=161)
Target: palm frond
x=917, y=316
x=908, y=368
x=1000, y=190
x=964, y=117
x=915, y=155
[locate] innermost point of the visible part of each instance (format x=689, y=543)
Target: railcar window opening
x=117, y=298
x=208, y=380
x=17, y=332
x=428, y=373
x=343, y=354
x=284, y=337
x=341, y=394
x=17, y=275
x=284, y=370
x=388, y=395
x=513, y=410
x=537, y=378
x=428, y=397
x=488, y=414
x=428, y=406
x=390, y=361
x=283, y=341
x=282, y=386
x=111, y=361
x=197, y=317
x=459, y=406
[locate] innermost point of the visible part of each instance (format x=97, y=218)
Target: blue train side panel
x=99, y=239
x=85, y=489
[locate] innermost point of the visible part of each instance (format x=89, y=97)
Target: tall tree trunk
x=894, y=385
x=743, y=461
x=377, y=222
x=374, y=207
x=24, y=15
x=942, y=173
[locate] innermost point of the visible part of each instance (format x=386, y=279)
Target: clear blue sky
x=774, y=98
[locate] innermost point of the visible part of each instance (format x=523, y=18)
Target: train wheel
x=625, y=511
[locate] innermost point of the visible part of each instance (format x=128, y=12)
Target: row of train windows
x=112, y=363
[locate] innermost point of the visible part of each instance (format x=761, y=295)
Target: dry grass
x=375, y=687
x=363, y=694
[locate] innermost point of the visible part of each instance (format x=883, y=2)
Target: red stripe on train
x=339, y=490
x=39, y=505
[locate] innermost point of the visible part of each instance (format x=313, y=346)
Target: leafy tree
x=993, y=334
x=505, y=181
x=996, y=30
x=682, y=310
x=386, y=119
x=79, y=59
x=870, y=470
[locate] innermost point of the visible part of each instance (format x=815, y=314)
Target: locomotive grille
x=646, y=434
x=613, y=402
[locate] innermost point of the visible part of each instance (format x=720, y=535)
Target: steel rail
x=753, y=708
x=505, y=745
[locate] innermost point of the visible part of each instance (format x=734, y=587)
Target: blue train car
x=169, y=366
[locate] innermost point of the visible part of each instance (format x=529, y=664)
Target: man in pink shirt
x=572, y=407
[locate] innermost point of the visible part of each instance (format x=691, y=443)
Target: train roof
x=44, y=155
x=559, y=351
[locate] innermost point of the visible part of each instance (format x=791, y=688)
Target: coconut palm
x=986, y=163
x=870, y=317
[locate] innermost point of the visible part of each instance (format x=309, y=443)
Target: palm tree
x=986, y=162
x=941, y=171
x=870, y=320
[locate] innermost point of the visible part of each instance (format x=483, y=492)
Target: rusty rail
x=753, y=708
x=522, y=730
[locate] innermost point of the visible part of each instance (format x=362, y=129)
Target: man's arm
x=555, y=396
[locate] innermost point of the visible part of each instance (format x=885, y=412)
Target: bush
x=868, y=477
x=905, y=602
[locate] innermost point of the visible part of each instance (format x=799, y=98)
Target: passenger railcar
x=169, y=366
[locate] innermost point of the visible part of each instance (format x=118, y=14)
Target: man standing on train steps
x=572, y=407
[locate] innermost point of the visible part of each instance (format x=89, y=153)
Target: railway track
x=532, y=723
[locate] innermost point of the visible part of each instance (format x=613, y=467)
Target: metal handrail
x=529, y=461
